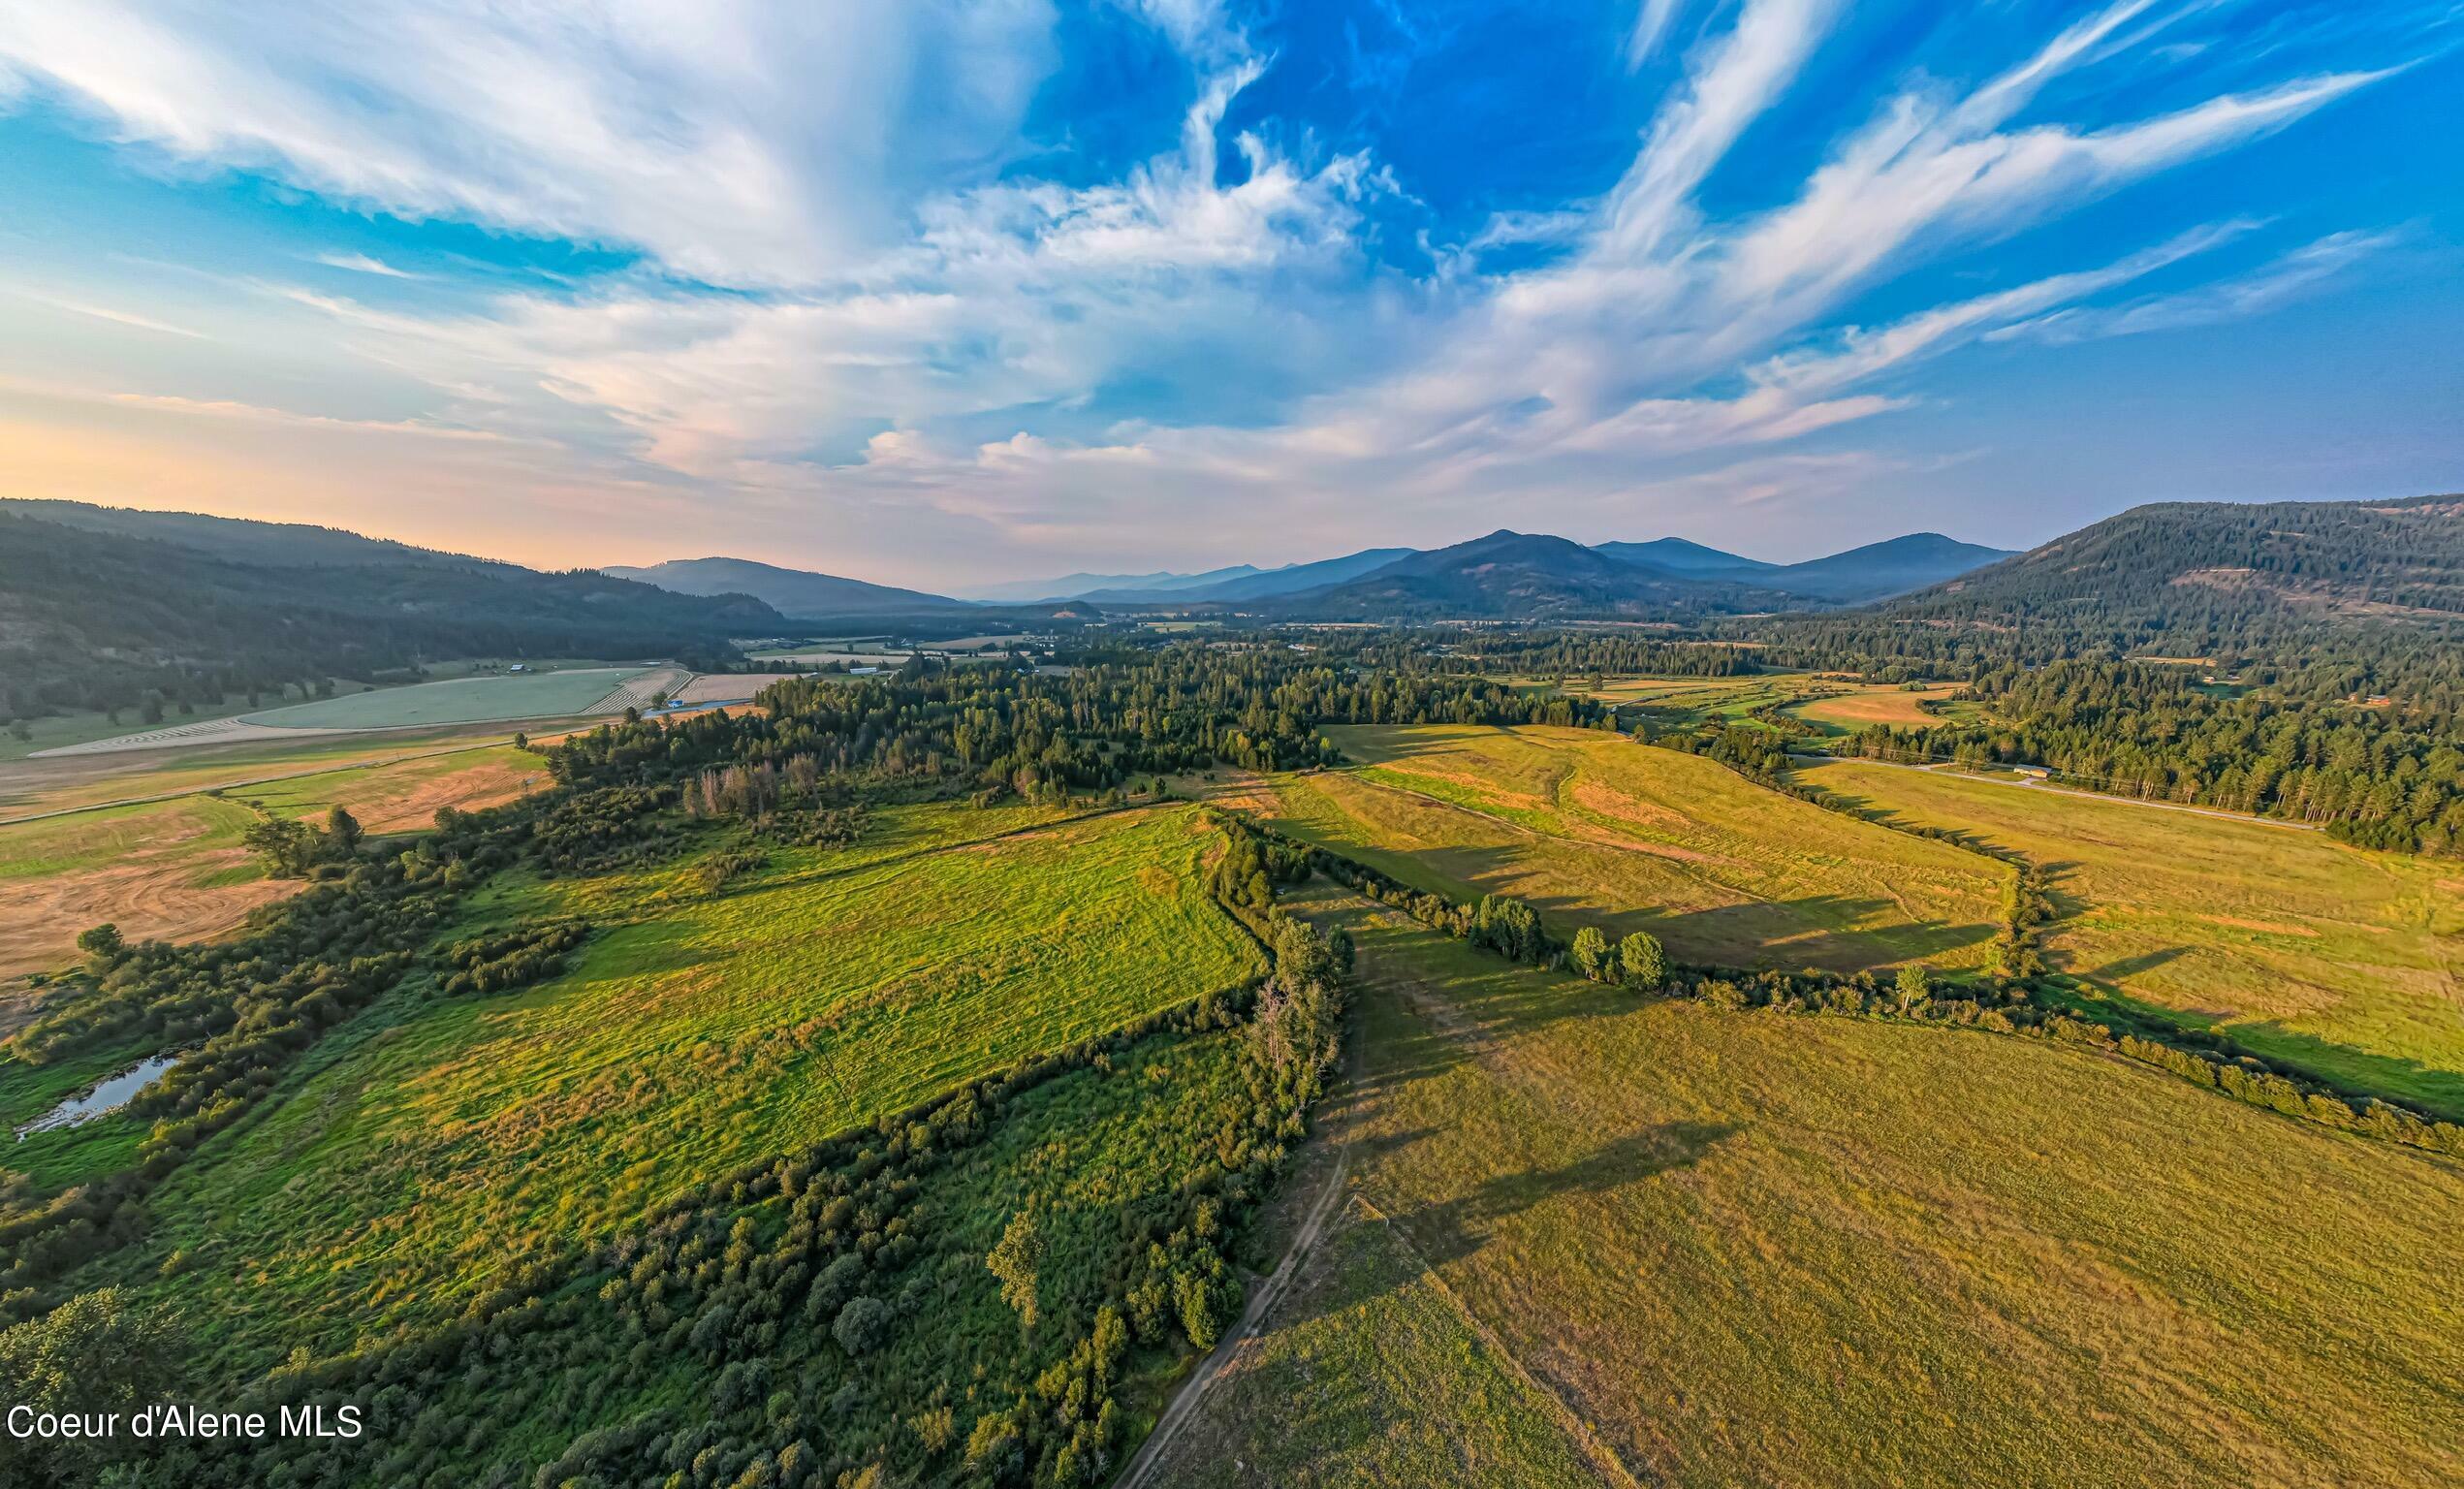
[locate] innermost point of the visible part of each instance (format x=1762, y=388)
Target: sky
x=948, y=292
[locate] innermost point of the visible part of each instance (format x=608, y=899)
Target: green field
x=434, y=1144
x=1374, y=1375
x=1593, y=828
x=2343, y=960
x=454, y=701
x=1747, y=1249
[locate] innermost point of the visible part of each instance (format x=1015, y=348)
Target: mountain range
x=1504, y=573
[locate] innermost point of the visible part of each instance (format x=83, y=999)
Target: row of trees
x=2385, y=778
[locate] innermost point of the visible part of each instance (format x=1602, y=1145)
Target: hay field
x=2350, y=963
x=433, y=1143
x=168, y=870
x=175, y=871
x=1865, y=706
x=1593, y=828
x=1752, y=1250
x=405, y=795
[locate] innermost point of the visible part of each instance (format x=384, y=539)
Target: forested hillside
x=92, y=617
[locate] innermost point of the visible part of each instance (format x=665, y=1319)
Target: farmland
x=175, y=868
x=1748, y=1249
x=1847, y=709
x=461, y=701
x=2340, y=960
x=169, y=868
x=438, y=1142
x=1594, y=829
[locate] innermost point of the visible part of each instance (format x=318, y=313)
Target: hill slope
x=2222, y=566
x=796, y=592
x=1606, y=1239
x=92, y=617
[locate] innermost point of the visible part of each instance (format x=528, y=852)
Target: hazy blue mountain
x=1509, y=574
x=1679, y=556
x=1880, y=570
x=797, y=593
x=1259, y=583
x=1072, y=586
x=1874, y=572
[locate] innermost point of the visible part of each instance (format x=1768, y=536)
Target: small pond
x=106, y=1096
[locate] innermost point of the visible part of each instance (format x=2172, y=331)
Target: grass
x=2341, y=961
x=1376, y=1376
x=433, y=1144
x=405, y=793
x=456, y=701
x=31, y=787
x=1762, y=1250
x=1593, y=828
x=1861, y=705
x=174, y=870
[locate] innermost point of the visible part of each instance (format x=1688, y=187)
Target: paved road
x=2029, y=783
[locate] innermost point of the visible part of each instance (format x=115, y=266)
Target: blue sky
x=944, y=293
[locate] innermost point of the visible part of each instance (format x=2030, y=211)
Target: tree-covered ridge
x=2372, y=591
x=2384, y=776
x=92, y=620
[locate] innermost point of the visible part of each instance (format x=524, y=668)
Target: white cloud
x=733, y=141
x=912, y=345
x=2284, y=279
x=362, y=264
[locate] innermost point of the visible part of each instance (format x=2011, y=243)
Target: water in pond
x=108, y=1096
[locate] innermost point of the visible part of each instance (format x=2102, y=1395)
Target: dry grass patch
x=1758, y=1250
x=2348, y=962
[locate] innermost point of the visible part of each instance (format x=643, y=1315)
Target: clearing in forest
x=1665, y=1244
x=2343, y=960
x=1593, y=828
x=438, y=1142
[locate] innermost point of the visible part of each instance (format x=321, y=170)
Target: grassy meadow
x=1746, y=1248
x=2344, y=961
x=434, y=1143
x=1593, y=828
x=1861, y=705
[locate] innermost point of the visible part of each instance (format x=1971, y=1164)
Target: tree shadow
x=1812, y=930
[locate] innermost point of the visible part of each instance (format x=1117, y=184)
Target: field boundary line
x=261, y=780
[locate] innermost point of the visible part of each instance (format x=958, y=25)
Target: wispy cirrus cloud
x=362, y=264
